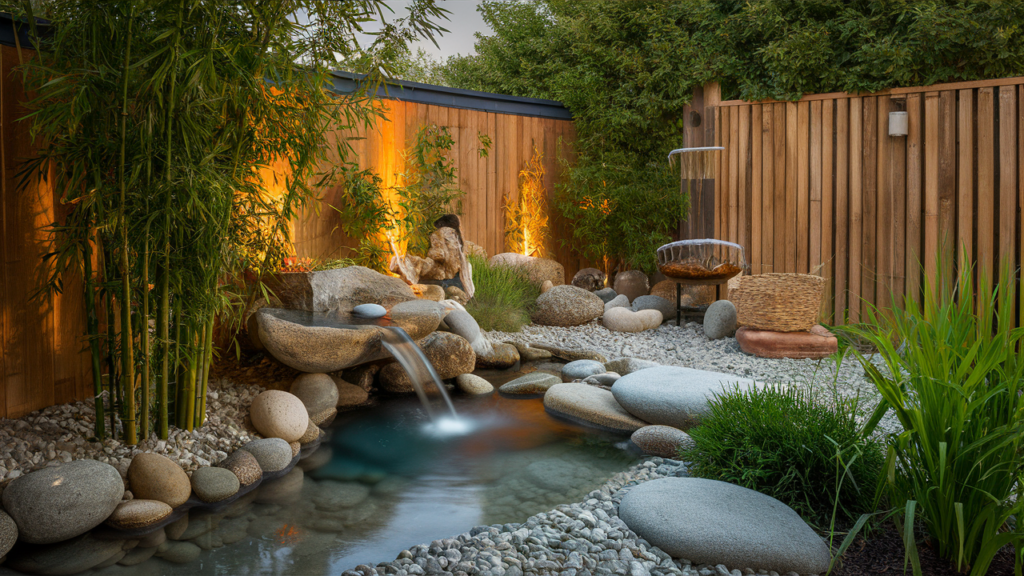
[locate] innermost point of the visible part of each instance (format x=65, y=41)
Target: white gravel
x=64, y=432
x=687, y=346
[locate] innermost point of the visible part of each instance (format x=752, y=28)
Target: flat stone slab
x=816, y=344
x=712, y=522
x=590, y=406
x=532, y=385
x=672, y=396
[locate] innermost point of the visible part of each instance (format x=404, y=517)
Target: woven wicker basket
x=779, y=302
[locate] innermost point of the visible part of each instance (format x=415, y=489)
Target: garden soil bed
x=882, y=553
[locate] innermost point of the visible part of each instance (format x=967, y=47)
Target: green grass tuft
x=505, y=297
x=786, y=444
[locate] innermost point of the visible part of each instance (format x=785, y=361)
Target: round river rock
x=317, y=392
x=157, y=477
x=213, y=484
x=137, y=513
x=272, y=454
x=278, y=414
x=567, y=305
x=589, y=405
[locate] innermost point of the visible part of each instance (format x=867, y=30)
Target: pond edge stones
x=708, y=521
x=212, y=484
x=279, y=414
x=591, y=406
x=673, y=396
x=60, y=502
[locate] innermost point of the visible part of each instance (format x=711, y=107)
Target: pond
x=385, y=479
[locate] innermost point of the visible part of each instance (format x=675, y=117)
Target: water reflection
x=376, y=486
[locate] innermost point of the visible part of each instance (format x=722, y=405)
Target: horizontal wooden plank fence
x=818, y=186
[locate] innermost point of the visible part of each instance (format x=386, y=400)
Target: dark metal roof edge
x=8, y=29
x=348, y=82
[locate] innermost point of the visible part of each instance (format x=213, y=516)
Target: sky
x=462, y=23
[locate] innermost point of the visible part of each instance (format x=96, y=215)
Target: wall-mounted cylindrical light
x=898, y=123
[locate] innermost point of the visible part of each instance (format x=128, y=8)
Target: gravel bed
x=688, y=347
x=64, y=432
x=580, y=539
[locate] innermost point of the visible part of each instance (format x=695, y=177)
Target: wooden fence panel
x=832, y=193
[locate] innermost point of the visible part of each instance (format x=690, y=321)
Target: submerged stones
x=317, y=392
x=213, y=484
x=138, y=513
x=672, y=396
x=277, y=414
x=61, y=502
x=589, y=405
x=156, y=477
x=707, y=521
x=567, y=305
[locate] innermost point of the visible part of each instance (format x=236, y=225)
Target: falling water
x=421, y=372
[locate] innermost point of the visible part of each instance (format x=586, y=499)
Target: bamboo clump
x=526, y=217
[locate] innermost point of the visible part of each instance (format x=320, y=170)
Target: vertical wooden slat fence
x=831, y=193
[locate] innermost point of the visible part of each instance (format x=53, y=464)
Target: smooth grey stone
x=273, y=454
x=580, y=369
x=671, y=395
x=712, y=522
x=369, y=311
x=212, y=484
x=602, y=379
x=664, y=441
x=605, y=294
x=8, y=533
x=652, y=302
x=619, y=301
x=589, y=405
x=462, y=323
x=720, y=320
x=533, y=384
x=61, y=502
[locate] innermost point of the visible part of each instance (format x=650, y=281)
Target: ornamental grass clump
x=505, y=296
x=792, y=446
x=953, y=378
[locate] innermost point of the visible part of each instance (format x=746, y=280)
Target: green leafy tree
x=159, y=119
x=626, y=69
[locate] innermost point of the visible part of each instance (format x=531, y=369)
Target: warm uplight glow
x=526, y=218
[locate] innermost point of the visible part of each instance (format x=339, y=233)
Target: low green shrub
x=954, y=378
x=787, y=444
x=504, y=298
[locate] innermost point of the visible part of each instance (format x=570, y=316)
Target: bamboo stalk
x=190, y=381
x=144, y=428
x=178, y=398
x=208, y=359
x=93, y=328
x=127, y=342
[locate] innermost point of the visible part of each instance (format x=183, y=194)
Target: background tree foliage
x=626, y=68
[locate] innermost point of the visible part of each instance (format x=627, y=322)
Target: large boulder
x=567, y=306
x=156, y=477
x=449, y=353
x=664, y=441
x=713, y=522
x=64, y=501
x=338, y=290
x=539, y=269
x=278, y=414
x=625, y=320
x=673, y=396
x=317, y=392
x=632, y=283
x=310, y=342
x=590, y=406
x=816, y=344
x=589, y=279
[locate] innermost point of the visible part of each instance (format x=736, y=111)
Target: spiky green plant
x=954, y=378
x=505, y=296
